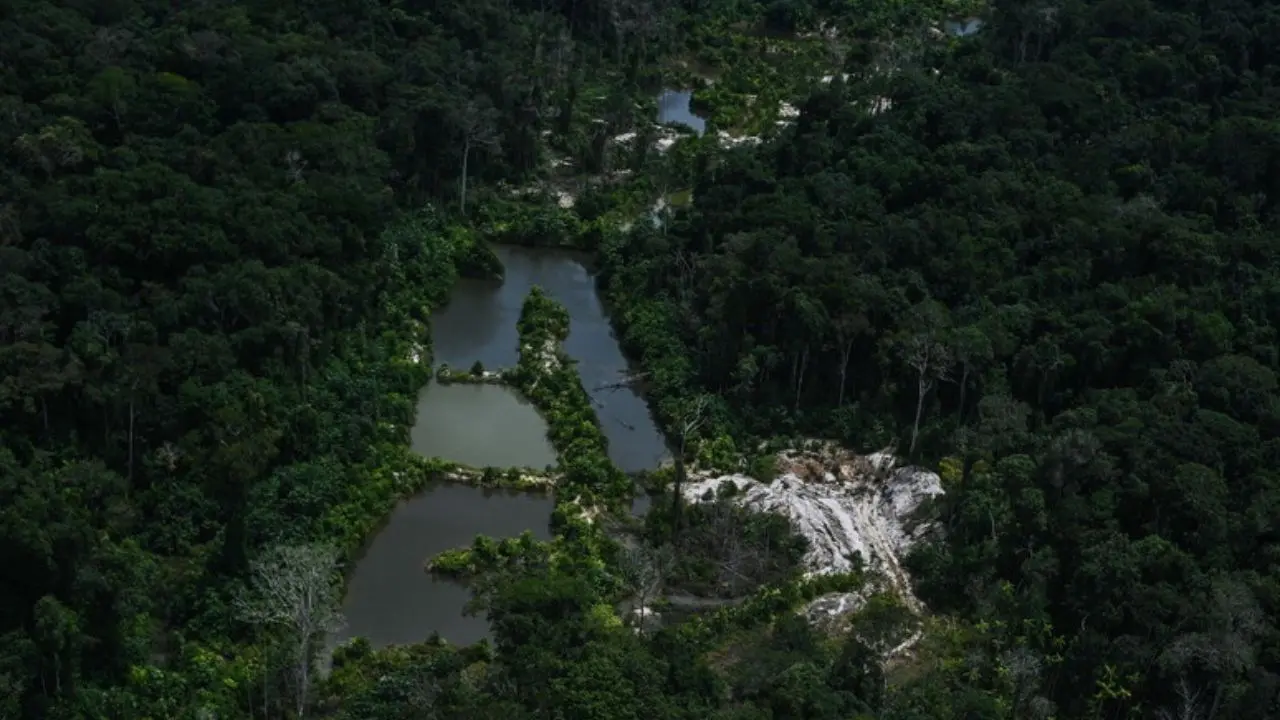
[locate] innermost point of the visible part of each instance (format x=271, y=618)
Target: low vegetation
x=487, y=555
x=723, y=550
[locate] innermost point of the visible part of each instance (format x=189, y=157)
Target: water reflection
x=390, y=597
x=673, y=107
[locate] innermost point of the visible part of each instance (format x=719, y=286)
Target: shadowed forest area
x=1040, y=259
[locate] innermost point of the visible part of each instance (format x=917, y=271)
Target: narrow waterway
x=480, y=324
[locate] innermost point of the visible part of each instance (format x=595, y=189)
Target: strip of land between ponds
x=479, y=326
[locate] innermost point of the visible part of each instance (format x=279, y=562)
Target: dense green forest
x=1052, y=261
x=1039, y=258
x=206, y=278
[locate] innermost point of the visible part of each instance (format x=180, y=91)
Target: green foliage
x=647, y=328
x=1027, y=264
x=536, y=224
x=547, y=377
x=477, y=261
x=474, y=375
x=1044, y=253
x=487, y=555
x=763, y=468
x=760, y=607
x=718, y=453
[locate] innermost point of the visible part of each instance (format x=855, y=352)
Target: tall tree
x=295, y=588
x=477, y=123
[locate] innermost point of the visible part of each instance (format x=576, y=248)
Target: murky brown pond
x=392, y=600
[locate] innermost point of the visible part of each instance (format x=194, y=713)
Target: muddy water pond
x=480, y=324
x=481, y=426
x=391, y=600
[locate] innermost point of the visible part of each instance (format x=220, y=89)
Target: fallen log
x=625, y=382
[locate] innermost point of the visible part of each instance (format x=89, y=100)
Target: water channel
x=390, y=598
x=480, y=324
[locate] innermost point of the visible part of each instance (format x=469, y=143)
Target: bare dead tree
x=169, y=455
x=663, y=559
x=613, y=10
x=902, y=53
x=643, y=571
x=1188, y=705
x=932, y=362
x=1024, y=668
x=627, y=381
x=561, y=56
x=737, y=560
x=1223, y=649
x=293, y=587
x=725, y=536
x=686, y=272
x=478, y=125
x=690, y=420
x=295, y=165
x=847, y=328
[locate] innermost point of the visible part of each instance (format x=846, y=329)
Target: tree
x=112, y=89
x=737, y=560
x=477, y=122
x=973, y=351
x=932, y=361
x=643, y=571
x=858, y=672
x=1222, y=651
x=294, y=588
x=1002, y=422
x=847, y=327
x=58, y=633
x=690, y=418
